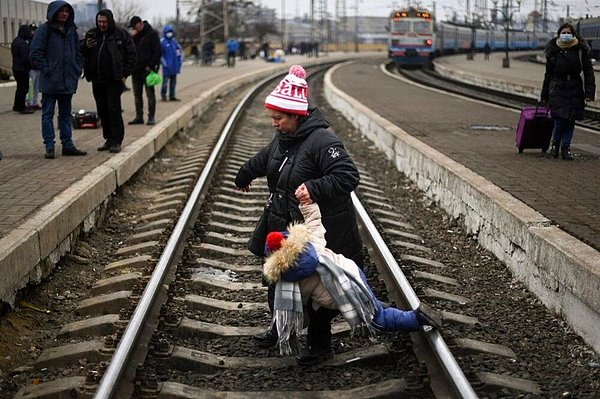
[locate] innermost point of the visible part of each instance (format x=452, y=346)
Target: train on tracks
x=415, y=38
x=589, y=30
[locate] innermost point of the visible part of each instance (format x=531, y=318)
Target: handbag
x=152, y=79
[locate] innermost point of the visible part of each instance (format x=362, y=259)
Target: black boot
x=266, y=339
x=429, y=317
x=554, y=148
x=566, y=154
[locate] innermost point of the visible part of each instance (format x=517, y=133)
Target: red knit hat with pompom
x=291, y=94
x=274, y=241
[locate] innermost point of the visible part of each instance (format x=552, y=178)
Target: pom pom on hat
x=297, y=71
x=274, y=241
x=291, y=94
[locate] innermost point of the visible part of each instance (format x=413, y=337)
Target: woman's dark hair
x=566, y=25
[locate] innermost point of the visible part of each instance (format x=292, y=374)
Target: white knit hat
x=291, y=94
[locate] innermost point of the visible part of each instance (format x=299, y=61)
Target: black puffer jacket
x=20, y=50
x=113, y=57
x=563, y=88
x=313, y=155
x=147, y=46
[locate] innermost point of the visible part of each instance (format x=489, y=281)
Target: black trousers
x=138, y=81
x=108, y=102
x=22, y=79
x=319, y=328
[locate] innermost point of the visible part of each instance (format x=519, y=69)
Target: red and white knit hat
x=291, y=94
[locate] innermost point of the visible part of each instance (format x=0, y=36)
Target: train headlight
x=428, y=42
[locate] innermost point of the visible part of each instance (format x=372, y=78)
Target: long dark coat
x=563, y=87
x=56, y=53
x=315, y=156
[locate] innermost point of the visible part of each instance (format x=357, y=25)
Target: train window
x=421, y=27
x=401, y=26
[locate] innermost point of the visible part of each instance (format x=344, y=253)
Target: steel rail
x=111, y=382
x=451, y=369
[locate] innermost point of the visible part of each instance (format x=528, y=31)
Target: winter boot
x=428, y=316
x=554, y=148
x=566, y=154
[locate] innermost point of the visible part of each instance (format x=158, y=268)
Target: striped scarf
x=354, y=300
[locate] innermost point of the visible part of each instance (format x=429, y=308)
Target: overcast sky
x=444, y=8
x=166, y=9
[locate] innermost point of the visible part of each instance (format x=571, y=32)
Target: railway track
x=428, y=77
x=173, y=317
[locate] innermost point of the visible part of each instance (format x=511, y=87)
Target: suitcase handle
x=538, y=105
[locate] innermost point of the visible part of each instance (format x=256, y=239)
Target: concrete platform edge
x=31, y=251
x=448, y=72
x=563, y=272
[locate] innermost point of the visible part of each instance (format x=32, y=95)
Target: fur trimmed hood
x=296, y=252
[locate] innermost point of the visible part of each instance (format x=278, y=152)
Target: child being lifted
x=304, y=269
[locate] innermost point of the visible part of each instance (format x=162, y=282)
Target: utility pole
x=283, y=38
x=225, y=23
x=201, y=25
x=100, y=5
x=356, y=26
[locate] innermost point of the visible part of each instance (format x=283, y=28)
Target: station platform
x=43, y=202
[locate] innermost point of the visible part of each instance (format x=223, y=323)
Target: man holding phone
x=109, y=58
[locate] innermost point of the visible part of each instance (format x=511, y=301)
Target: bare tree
x=123, y=10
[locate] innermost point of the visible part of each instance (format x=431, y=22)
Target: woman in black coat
x=306, y=157
x=566, y=58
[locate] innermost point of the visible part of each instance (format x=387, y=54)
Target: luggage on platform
x=535, y=128
x=86, y=120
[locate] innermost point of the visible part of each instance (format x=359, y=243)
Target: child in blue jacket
x=303, y=268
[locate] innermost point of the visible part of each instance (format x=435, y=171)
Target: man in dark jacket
x=109, y=57
x=21, y=67
x=55, y=52
x=147, y=46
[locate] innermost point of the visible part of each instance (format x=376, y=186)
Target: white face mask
x=169, y=35
x=565, y=37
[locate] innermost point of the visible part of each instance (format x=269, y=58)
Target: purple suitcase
x=534, y=129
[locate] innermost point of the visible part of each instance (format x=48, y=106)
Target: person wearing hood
x=147, y=47
x=55, y=52
x=567, y=58
x=171, y=60
x=304, y=153
x=21, y=65
x=109, y=58
x=303, y=268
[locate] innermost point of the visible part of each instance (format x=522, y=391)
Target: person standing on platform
x=109, y=58
x=171, y=60
x=194, y=51
x=232, y=48
x=55, y=52
x=21, y=65
x=486, y=51
x=147, y=46
x=567, y=58
x=34, y=85
x=305, y=160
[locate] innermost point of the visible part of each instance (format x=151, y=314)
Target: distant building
x=19, y=12
x=85, y=12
